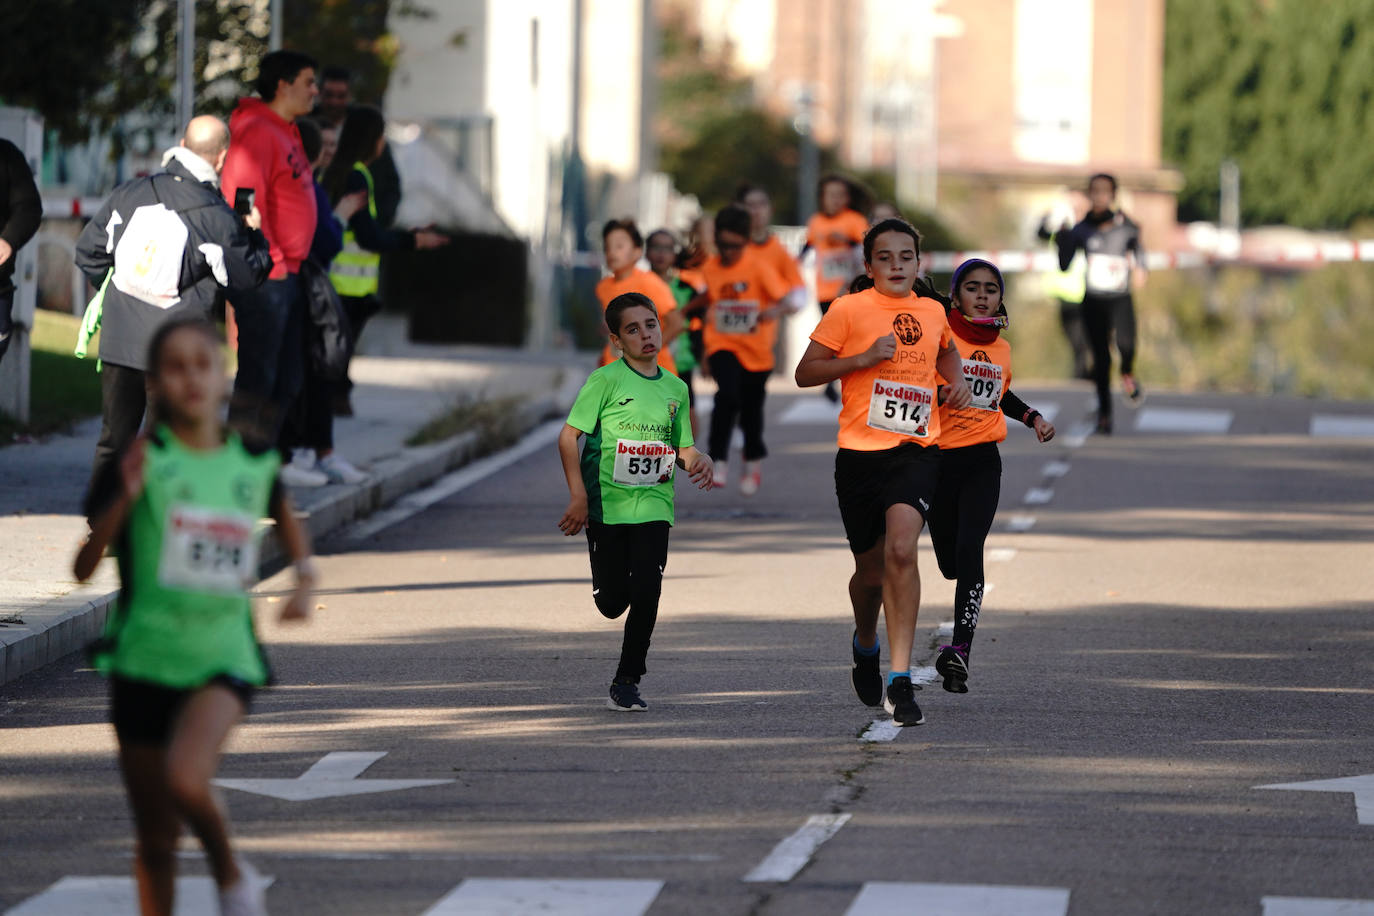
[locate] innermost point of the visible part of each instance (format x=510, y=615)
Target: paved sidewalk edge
x=24, y=650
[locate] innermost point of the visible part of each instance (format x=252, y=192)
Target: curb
x=82, y=618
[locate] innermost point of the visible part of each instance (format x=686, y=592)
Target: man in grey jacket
x=170, y=245
x=21, y=210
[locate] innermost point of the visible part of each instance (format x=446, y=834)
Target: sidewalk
x=400, y=386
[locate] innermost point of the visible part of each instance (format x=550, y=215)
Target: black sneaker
x=901, y=702
x=952, y=665
x=1104, y=424
x=625, y=698
x=867, y=676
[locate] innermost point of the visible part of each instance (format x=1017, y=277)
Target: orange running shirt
x=987, y=369
x=834, y=238
x=775, y=253
x=737, y=293
x=651, y=285
x=893, y=402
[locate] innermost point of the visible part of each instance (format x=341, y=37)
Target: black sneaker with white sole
x=625, y=698
x=867, y=675
x=952, y=665
x=901, y=702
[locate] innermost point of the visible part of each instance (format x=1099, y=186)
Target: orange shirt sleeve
x=833, y=330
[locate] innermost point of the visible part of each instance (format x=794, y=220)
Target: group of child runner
x=924, y=386
x=924, y=390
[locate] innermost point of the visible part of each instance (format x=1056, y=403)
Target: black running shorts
x=144, y=713
x=868, y=483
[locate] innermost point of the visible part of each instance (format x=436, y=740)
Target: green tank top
x=187, y=557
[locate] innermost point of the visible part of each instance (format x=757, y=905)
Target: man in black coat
x=171, y=245
x=21, y=210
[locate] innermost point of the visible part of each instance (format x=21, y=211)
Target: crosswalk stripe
x=1315, y=906
x=1336, y=426
x=101, y=895
x=985, y=900
x=791, y=855
x=559, y=897
x=1183, y=420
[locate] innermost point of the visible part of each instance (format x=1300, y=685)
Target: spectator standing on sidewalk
x=170, y=247
x=21, y=210
x=357, y=268
x=336, y=97
x=266, y=156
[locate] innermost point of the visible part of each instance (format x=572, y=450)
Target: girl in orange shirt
x=624, y=246
x=762, y=241
x=970, y=476
x=836, y=234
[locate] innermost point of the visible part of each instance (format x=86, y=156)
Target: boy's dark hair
x=734, y=218
x=1103, y=176
x=278, y=66
x=626, y=225
x=889, y=225
x=312, y=141
x=168, y=328
x=860, y=198
x=621, y=304
x=336, y=74
x=666, y=233
x=860, y=283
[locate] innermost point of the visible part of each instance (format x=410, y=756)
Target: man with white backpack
x=162, y=247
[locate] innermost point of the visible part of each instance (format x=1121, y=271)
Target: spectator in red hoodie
x=265, y=155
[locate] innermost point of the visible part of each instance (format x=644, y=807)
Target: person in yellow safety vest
x=1067, y=287
x=355, y=271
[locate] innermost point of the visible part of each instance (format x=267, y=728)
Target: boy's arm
x=575, y=516
x=296, y=540
x=820, y=365
x=950, y=365
x=699, y=467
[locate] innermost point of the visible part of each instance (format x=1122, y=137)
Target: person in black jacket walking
x=21, y=210
x=1116, y=263
x=171, y=247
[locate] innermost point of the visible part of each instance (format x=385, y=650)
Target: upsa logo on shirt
x=981, y=356
x=907, y=328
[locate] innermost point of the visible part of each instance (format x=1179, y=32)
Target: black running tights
x=1101, y=316
x=739, y=394
x=960, y=518
x=627, y=572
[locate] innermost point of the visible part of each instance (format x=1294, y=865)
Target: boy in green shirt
x=621, y=487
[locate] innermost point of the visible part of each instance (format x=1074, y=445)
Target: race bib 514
x=208, y=550
x=643, y=464
x=898, y=408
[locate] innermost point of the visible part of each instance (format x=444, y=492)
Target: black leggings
x=1101, y=316
x=627, y=572
x=739, y=394
x=960, y=518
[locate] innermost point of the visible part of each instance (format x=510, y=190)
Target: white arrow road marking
x=335, y=774
x=791, y=855
x=100, y=896
x=983, y=899
x=561, y=897
x=1315, y=906
x=1361, y=786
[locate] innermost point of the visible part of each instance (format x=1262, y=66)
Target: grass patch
x=62, y=388
x=496, y=421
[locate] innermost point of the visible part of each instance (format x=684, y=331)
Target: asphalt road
x=1181, y=618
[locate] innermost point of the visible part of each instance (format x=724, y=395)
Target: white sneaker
x=339, y=470
x=246, y=897
x=293, y=475
x=751, y=481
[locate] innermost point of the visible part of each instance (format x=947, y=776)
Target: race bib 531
x=898, y=408
x=643, y=464
x=208, y=550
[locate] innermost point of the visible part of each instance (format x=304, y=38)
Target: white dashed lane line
x=1038, y=496
x=791, y=855
x=1019, y=523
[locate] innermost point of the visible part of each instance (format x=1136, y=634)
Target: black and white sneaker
x=867, y=676
x=625, y=698
x=952, y=665
x=901, y=702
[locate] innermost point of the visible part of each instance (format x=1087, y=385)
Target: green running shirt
x=634, y=427
x=187, y=557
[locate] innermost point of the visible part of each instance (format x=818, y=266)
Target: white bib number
x=206, y=550
x=735, y=317
x=1108, y=273
x=898, y=408
x=838, y=265
x=985, y=382
x=643, y=464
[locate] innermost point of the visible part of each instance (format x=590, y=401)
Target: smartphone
x=243, y=201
